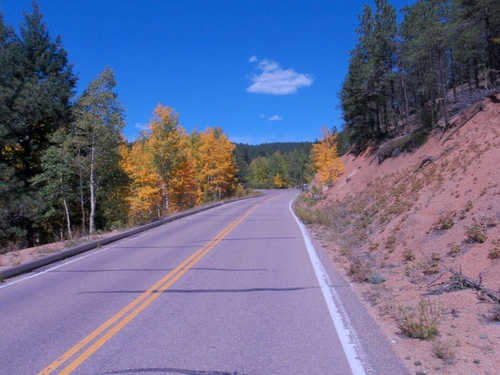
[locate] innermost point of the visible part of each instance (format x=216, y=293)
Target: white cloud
x=141, y=126
x=274, y=80
x=275, y=118
x=253, y=59
x=262, y=115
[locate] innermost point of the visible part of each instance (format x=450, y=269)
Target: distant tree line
x=65, y=167
x=441, y=58
x=274, y=165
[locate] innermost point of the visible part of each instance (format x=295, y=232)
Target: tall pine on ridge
x=36, y=87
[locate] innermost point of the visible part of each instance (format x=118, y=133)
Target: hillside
x=421, y=229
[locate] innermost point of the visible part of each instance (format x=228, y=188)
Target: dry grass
x=422, y=323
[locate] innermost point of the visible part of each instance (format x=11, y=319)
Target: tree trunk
x=406, y=127
x=444, y=93
x=167, y=196
x=82, y=198
x=92, y=190
x=66, y=211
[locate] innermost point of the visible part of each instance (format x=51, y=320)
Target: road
x=232, y=290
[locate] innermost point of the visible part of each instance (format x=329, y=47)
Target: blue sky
x=263, y=70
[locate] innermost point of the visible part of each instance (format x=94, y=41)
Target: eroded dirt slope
x=425, y=225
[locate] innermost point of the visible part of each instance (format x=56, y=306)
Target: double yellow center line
x=122, y=318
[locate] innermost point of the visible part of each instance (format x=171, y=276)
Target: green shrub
x=494, y=253
x=390, y=243
x=445, y=221
x=408, y=255
x=422, y=324
x=359, y=270
x=476, y=233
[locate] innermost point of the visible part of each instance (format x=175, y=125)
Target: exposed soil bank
x=400, y=228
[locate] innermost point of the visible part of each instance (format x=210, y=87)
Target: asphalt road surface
x=232, y=290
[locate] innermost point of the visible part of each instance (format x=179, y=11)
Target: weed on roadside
x=476, y=232
x=494, y=253
x=444, y=221
x=495, y=313
x=444, y=350
x=390, y=243
x=359, y=270
x=455, y=249
x=408, y=255
x=421, y=324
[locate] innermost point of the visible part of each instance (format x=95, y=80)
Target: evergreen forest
x=274, y=165
x=411, y=77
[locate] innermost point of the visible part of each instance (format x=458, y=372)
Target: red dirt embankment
x=415, y=219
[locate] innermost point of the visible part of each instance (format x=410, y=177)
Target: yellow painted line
x=151, y=294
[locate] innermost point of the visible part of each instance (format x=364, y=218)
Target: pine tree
x=36, y=86
x=47, y=86
x=426, y=50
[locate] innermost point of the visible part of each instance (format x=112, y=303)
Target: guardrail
x=37, y=263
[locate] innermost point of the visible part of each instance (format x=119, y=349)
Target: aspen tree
x=217, y=167
x=98, y=125
x=325, y=158
x=163, y=145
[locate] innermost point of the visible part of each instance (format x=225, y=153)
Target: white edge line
x=342, y=331
x=68, y=262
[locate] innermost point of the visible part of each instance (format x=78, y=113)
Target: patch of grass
x=444, y=350
x=359, y=270
x=432, y=266
x=469, y=206
x=476, y=232
x=408, y=255
x=390, y=243
x=494, y=253
x=421, y=324
x=417, y=185
x=313, y=196
x=454, y=249
x=445, y=221
x=305, y=214
x=495, y=313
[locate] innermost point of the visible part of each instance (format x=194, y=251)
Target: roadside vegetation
x=66, y=170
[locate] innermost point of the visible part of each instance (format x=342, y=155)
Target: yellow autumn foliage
x=216, y=168
x=171, y=171
x=145, y=191
x=325, y=158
